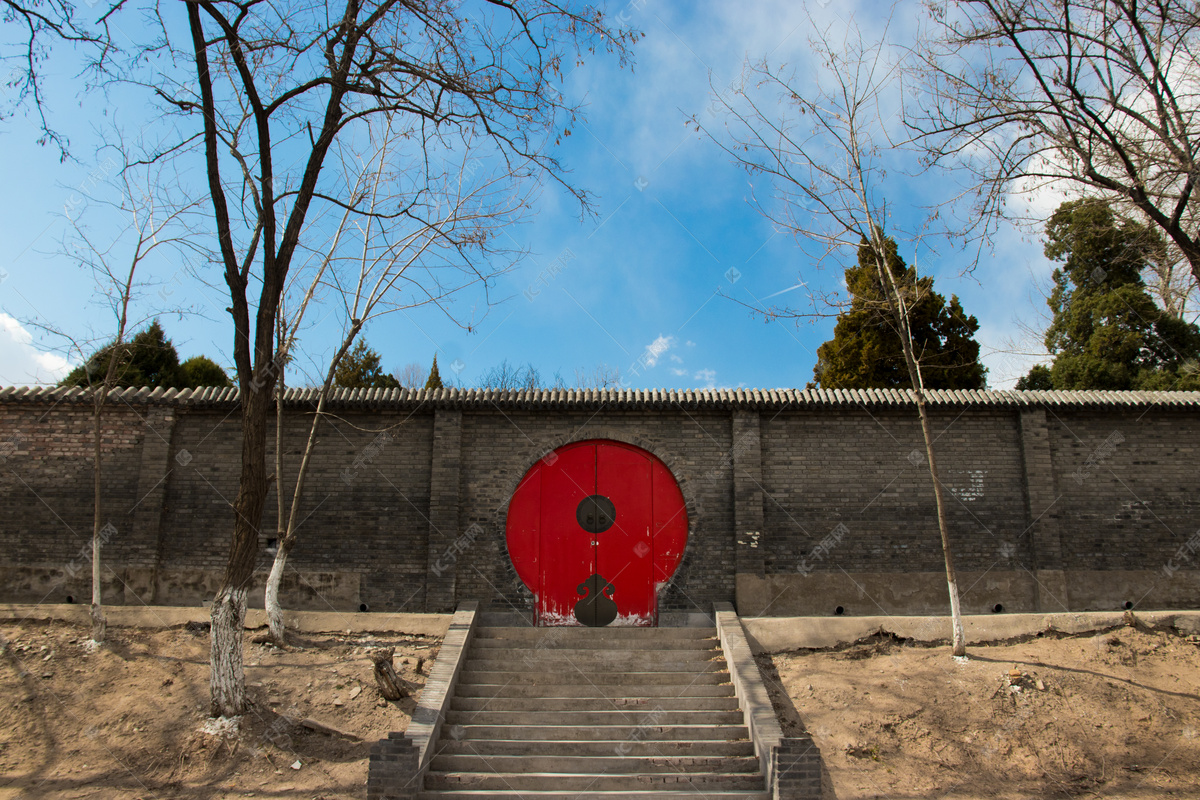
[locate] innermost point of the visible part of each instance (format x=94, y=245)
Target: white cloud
x=708, y=377
x=20, y=362
x=676, y=359
x=656, y=349
x=677, y=372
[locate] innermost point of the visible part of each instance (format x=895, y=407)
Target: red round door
x=595, y=529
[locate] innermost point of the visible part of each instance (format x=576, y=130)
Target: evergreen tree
x=360, y=370
x=203, y=371
x=149, y=359
x=435, y=378
x=1038, y=378
x=1107, y=332
x=865, y=351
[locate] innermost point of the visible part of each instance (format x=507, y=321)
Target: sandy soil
x=1115, y=714
x=128, y=720
x=1108, y=715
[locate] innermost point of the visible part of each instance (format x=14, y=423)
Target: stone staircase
x=594, y=713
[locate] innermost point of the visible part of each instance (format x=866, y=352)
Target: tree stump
x=390, y=685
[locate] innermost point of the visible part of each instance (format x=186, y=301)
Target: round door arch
x=595, y=529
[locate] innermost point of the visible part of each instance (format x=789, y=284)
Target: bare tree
x=280, y=84
x=34, y=26
x=1097, y=96
x=378, y=266
x=819, y=144
x=507, y=377
x=1173, y=285
x=601, y=377
x=113, y=259
x=413, y=376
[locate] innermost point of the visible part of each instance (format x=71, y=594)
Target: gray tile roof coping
x=208, y=397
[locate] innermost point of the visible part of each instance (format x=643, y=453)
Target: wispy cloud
x=657, y=348
x=22, y=363
x=708, y=377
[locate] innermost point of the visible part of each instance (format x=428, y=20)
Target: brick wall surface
x=405, y=507
x=1128, y=487
x=46, y=479
x=867, y=471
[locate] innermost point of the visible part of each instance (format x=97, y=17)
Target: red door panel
x=624, y=551
x=595, y=530
x=566, y=554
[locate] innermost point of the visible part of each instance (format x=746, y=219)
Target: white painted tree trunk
x=227, y=682
x=958, y=635
x=271, y=595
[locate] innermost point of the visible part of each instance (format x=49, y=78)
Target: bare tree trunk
x=227, y=685
x=287, y=537
x=958, y=636
x=271, y=596
x=227, y=679
x=99, y=622
x=900, y=312
x=271, y=593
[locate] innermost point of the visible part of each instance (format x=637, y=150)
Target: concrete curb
x=791, y=765
x=174, y=616
x=748, y=684
x=776, y=634
x=398, y=763
x=427, y=718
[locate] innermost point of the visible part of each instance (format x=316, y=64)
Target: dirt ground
x=1113, y=715
x=129, y=720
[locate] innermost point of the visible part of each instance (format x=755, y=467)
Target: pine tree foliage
x=1107, y=332
x=865, y=351
x=360, y=369
x=149, y=359
x=435, y=378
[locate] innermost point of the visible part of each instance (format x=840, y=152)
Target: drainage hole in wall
x=996, y=609
x=1128, y=605
x=363, y=607
x=70, y=598
x=272, y=546
x=839, y=611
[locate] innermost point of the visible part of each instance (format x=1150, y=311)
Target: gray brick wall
x=866, y=470
x=398, y=490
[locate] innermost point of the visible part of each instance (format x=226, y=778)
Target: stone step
x=641, y=716
x=560, y=782
x=610, y=764
x=594, y=690
x=549, y=705
x=535, y=647
x=597, y=661
x=592, y=733
x=630, y=636
x=676, y=749
x=556, y=677
x=649, y=794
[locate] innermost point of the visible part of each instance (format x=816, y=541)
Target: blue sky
x=639, y=287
